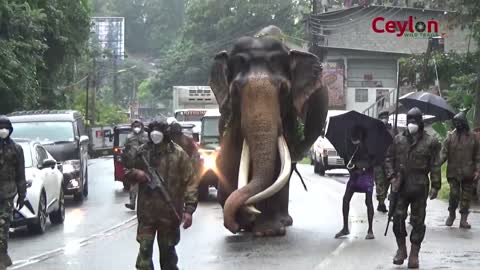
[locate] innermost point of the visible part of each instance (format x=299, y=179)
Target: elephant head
x=262, y=83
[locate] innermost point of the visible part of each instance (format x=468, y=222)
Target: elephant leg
x=275, y=216
x=283, y=199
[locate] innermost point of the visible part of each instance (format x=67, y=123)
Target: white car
x=322, y=153
x=45, y=197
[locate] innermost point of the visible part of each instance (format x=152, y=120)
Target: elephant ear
x=306, y=78
x=218, y=78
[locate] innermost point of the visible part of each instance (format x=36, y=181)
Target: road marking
x=345, y=243
x=75, y=245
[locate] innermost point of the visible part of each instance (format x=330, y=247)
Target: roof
x=44, y=116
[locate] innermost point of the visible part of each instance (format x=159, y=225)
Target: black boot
x=413, y=262
x=382, y=207
x=450, y=219
x=463, y=221
x=130, y=206
x=401, y=251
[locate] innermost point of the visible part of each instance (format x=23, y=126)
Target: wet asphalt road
x=100, y=234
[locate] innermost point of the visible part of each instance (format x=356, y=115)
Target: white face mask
x=385, y=121
x=4, y=132
x=137, y=130
x=356, y=142
x=156, y=136
x=412, y=128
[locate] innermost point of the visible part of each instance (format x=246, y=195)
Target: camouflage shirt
x=133, y=142
x=174, y=165
x=12, y=170
x=462, y=153
x=415, y=160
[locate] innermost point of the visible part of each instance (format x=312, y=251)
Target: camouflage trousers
x=381, y=184
x=418, y=205
x=166, y=240
x=461, y=192
x=133, y=193
x=6, y=209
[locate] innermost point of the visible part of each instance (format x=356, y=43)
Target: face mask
x=385, y=121
x=412, y=128
x=356, y=142
x=4, y=132
x=156, y=136
x=137, y=130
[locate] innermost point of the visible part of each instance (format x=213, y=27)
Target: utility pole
x=476, y=118
x=314, y=7
x=94, y=93
x=115, y=78
x=86, y=100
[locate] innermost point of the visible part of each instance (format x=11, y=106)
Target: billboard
x=109, y=32
x=333, y=77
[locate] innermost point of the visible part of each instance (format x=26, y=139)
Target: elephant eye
x=278, y=63
x=238, y=64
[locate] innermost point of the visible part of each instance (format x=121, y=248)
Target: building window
x=361, y=95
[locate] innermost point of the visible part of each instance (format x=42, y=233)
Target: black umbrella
x=429, y=104
x=377, y=137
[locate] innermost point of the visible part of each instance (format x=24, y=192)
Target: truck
x=101, y=141
x=190, y=104
x=208, y=149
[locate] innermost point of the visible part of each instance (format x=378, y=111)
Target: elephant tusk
x=283, y=177
x=243, y=175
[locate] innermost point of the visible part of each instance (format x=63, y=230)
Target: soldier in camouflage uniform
x=136, y=138
x=155, y=217
x=381, y=182
x=12, y=182
x=461, y=150
x=413, y=155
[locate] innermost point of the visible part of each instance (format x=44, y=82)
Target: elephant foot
x=286, y=220
x=268, y=228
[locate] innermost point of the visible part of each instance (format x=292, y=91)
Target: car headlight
x=29, y=183
x=68, y=168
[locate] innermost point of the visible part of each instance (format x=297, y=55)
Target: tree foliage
x=39, y=42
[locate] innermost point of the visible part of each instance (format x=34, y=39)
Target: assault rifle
x=393, y=198
x=157, y=181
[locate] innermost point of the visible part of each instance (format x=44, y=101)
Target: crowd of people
x=411, y=169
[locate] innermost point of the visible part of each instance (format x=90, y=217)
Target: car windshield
x=210, y=130
x=44, y=132
x=27, y=154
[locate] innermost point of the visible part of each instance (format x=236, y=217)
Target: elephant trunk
x=260, y=124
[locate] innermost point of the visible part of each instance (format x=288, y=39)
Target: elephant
x=273, y=107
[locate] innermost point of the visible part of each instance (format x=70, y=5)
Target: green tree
x=214, y=25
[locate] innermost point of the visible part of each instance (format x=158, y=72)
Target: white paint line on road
x=73, y=246
x=345, y=243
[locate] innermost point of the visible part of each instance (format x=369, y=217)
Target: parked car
x=64, y=135
x=45, y=194
x=322, y=153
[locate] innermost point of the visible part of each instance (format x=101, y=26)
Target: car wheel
x=203, y=192
x=321, y=168
x=39, y=224
x=58, y=216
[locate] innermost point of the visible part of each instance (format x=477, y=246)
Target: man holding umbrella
x=362, y=142
x=462, y=151
x=413, y=155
